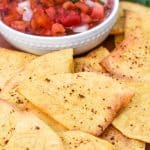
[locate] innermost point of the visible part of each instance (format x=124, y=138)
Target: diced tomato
x=58, y=29
x=47, y=33
x=42, y=31
x=59, y=1
x=51, y=12
x=69, y=18
x=47, y=3
x=8, y=19
x=19, y=25
x=12, y=14
x=82, y=6
x=40, y=19
x=3, y=5
x=33, y=4
x=85, y=19
x=53, y=17
x=98, y=11
x=68, y=5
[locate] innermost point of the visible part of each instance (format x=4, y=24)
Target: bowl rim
x=108, y=19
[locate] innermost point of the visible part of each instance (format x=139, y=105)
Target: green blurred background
x=144, y=2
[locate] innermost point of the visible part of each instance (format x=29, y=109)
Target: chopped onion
x=79, y=29
x=24, y=5
x=27, y=15
x=90, y=3
x=25, y=9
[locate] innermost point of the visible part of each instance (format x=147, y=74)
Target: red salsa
x=54, y=17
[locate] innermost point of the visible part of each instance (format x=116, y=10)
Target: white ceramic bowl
x=81, y=42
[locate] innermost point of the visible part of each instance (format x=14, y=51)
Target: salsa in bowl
x=40, y=41
x=54, y=17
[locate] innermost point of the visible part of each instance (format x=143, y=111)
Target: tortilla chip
x=118, y=39
x=10, y=63
x=98, y=53
x=22, y=103
x=51, y=63
x=82, y=101
x=131, y=59
x=23, y=130
x=77, y=140
x=55, y=62
x=118, y=28
x=120, y=141
x=133, y=121
x=91, y=62
x=83, y=64
x=132, y=21
x=142, y=11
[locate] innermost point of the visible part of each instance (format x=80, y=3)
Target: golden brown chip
x=142, y=11
x=120, y=141
x=91, y=62
x=85, y=101
x=22, y=103
x=83, y=64
x=131, y=59
x=132, y=21
x=77, y=140
x=23, y=130
x=55, y=62
x=51, y=63
x=11, y=62
x=118, y=28
x=133, y=121
x=118, y=39
x=98, y=53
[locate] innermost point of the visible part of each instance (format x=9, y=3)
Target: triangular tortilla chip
x=133, y=121
x=118, y=28
x=23, y=130
x=22, y=103
x=98, y=53
x=91, y=62
x=84, y=101
x=11, y=62
x=131, y=59
x=120, y=141
x=52, y=63
x=77, y=140
x=142, y=11
x=132, y=21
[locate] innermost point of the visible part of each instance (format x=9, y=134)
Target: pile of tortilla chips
x=100, y=101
